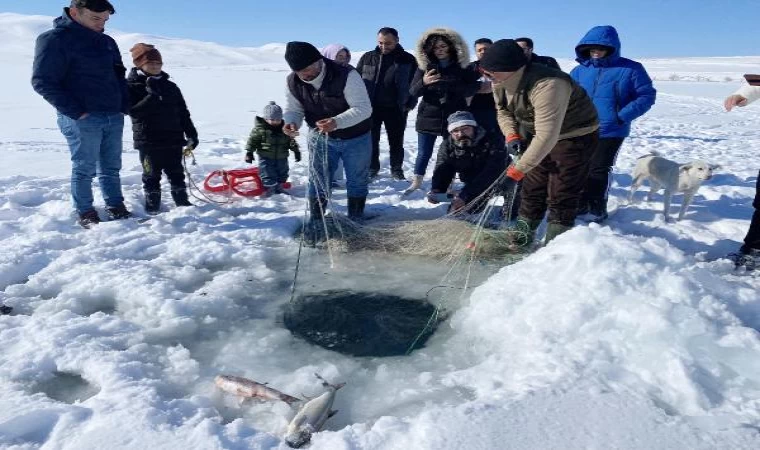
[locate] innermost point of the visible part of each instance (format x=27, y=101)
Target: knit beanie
x=504, y=56
x=272, y=112
x=460, y=119
x=300, y=55
x=144, y=53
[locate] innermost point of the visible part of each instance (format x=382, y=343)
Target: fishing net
x=482, y=229
x=362, y=323
x=462, y=245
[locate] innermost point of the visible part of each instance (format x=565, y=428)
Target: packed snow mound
x=624, y=311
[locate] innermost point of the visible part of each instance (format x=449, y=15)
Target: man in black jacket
x=387, y=71
x=527, y=46
x=161, y=126
x=477, y=155
x=482, y=105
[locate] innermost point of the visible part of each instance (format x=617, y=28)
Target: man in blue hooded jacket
x=78, y=69
x=622, y=91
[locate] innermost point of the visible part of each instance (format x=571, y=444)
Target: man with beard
x=477, y=155
x=387, y=72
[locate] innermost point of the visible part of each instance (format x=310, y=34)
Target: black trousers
x=395, y=125
x=752, y=240
x=600, y=170
x=166, y=160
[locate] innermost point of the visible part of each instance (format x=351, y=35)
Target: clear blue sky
x=648, y=28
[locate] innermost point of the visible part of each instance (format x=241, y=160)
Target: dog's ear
x=685, y=167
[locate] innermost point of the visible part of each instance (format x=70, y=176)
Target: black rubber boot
x=180, y=198
x=356, y=208
x=152, y=202
x=317, y=207
x=314, y=229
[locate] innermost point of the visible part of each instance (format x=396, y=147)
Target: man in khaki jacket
x=561, y=128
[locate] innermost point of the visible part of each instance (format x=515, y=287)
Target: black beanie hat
x=300, y=55
x=505, y=55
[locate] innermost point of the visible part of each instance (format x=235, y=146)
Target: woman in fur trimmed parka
x=442, y=82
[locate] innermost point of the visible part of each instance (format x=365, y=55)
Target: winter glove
x=192, y=143
x=514, y=174
x=514, y=144
x=249, y=157
x=297, y=156
x=152, y=86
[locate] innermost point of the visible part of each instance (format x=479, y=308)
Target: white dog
x=674, y=177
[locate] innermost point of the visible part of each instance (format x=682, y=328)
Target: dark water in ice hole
x=374, y=304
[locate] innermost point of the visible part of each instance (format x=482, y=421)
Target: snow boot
x=522, y=234
x=553, y=230
x=152, y=202
x=356, y=208
x=749, y=258
x=398, y=174
x=597, y=211
x=314, y=229
x=416, y=184
x=89, y=218
x=118, y=212
x=180, y=198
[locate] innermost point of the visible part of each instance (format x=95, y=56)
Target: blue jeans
x=273, y=171
x=325, y=152
x=95, y=143
x=425, y=147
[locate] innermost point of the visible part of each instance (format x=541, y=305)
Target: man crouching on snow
x=334, y=101
x=562, y=130
x=478, y=156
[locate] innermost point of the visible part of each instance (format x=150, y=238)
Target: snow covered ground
x=631, y=335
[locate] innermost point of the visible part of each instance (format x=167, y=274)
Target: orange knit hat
x=143, y=53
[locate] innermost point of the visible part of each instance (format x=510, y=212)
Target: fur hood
x=463, y=54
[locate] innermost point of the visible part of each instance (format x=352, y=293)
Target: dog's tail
x=651, y=153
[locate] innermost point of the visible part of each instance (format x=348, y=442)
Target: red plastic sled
x=244, y=182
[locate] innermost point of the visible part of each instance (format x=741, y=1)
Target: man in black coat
x=78, y=69
x=477, y=155
x=161, y=126
x=527, y=46
x=387, y=72
x=482, y=105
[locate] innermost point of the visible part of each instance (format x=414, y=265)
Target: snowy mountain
x=636, y=334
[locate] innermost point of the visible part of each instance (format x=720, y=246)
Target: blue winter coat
x=78, y=70
x=620, y=88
